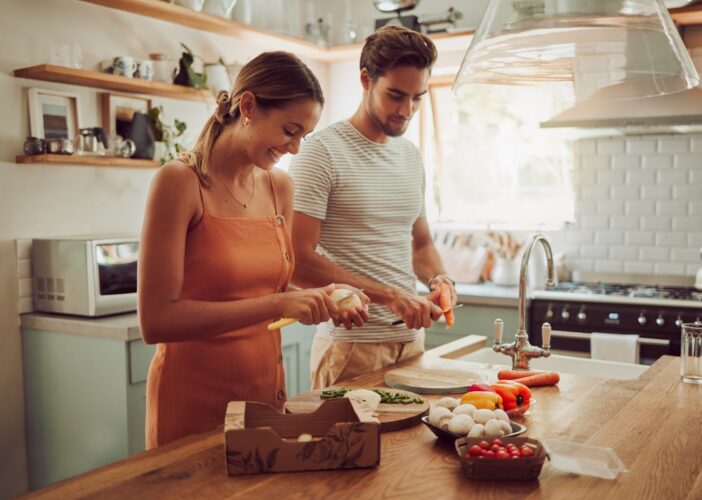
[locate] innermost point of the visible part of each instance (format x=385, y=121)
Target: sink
x=563, y=364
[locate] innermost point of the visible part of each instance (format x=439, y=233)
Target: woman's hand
x=352, y=312
x=309, y=306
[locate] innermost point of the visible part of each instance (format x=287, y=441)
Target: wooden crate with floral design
x=260, y=439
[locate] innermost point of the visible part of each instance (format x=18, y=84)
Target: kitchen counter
x=116, y=327
x=653, y=423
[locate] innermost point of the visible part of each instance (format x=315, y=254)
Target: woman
x=216, y=259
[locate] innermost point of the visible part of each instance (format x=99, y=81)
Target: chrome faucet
x=521, y=351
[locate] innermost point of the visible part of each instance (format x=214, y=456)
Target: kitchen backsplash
x=638, y=206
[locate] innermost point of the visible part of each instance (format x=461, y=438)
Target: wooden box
x=258, y=439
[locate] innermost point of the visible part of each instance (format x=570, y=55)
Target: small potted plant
x=166, y=135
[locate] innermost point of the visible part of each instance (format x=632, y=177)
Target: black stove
x=577, y=309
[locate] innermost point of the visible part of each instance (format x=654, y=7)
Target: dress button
x=279, y=220
x=287, y=256
x=281, y=395
x=280, y=358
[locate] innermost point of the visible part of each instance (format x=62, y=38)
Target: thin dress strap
x=275, y=197
x=202, y=198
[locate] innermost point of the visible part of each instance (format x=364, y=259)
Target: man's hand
x=435, y=290
x=416, y=311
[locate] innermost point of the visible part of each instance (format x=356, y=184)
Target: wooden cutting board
x=432, y=380
x=393, y=417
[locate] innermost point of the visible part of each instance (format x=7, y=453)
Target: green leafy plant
x=166, y=133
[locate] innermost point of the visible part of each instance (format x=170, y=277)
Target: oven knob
x=660, y=321
x=642, y=319
x=679, y=322
x=565, y=314
x=549, y=312
x=581, y=315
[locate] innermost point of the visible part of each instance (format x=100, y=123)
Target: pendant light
x=616, y=49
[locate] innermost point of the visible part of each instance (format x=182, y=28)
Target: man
x=360, y=217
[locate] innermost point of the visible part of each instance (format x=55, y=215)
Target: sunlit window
x=488, y=162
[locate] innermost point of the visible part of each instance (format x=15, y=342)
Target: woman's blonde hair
x=276, y=79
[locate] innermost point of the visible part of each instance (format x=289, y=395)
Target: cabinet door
x=296, y=343
x=473, y=320
x=291, y=358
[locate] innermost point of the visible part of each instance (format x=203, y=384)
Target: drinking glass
x=691, y=353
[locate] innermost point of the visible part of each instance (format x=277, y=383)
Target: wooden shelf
x=687, y=16
x=95, y=161
x=96, y=79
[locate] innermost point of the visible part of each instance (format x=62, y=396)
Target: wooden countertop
x=654, y=424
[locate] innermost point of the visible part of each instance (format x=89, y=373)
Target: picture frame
x=118, y=111
x=53, y=113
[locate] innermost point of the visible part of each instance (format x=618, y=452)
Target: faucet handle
x=497, y=332
x=546, y=335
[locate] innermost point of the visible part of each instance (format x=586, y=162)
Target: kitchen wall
x=52, y=200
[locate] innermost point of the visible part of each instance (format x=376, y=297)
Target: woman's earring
x=245, y=120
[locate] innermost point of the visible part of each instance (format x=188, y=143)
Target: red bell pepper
x=481, y=387
x=514, y=394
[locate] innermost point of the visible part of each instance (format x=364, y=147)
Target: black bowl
x=450, y=436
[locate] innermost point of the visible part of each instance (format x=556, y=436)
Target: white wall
x=51, y=200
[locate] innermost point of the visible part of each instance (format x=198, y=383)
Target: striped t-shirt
x=368, y=196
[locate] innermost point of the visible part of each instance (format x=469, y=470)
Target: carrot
x=445, y=304
x=549, y=378
x=515, y=374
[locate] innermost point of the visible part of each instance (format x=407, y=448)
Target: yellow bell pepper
x=482, y=400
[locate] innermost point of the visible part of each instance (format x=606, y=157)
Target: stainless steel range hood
x=677, y=113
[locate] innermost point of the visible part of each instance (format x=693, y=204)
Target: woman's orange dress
x=190, y=383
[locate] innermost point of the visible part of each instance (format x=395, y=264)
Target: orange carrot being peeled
x=548, y=378
x=445, y=304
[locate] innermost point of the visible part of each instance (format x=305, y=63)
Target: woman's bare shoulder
x=282, y=180
x=176, y=174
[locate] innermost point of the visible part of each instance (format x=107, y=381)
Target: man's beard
x=384, y=126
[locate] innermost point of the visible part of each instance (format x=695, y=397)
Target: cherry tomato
x=502, y=454
x=498, y=442
x=526, y=451
x=484, y=445
x=475, y=451
x=488, y=454
x=495, y=447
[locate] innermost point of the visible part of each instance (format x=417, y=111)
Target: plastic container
x=577, y=458
x=527, y=468
x=521, y=411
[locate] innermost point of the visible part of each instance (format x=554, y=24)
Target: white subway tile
x=625, y=222
x=656, y=222
x=623, y=253
x=25, y=287
x=641, y=145
x=696, y=146
x=671, y=238
x=694, y=239
x=594, y=162
x=625, y=193
x=685, y=254
x=643, y=176
x=695, y=176
x=24, y=268
x=586, y=147
x=583, y=265
x=640, y=208
x=23, y=248
x=673, y=145
x=609, y=237
x=671, y=207
x=687, y=161
x=626, y=162
x=654, y=253
x=689, y=223
x=611, y=146
x=657, y=162
x=691, y=269
x=691, y=193
x=580, y=236
x=639, y=237
x=593, y=251
x=594, y=192
x=584, y=176
x=609, y=266
x=610, y=177
x=670, y=268
x=585, y=207
x=610, y=207
x=594, y=222
x=671, y=176
x=656, y=192
x=638, y=267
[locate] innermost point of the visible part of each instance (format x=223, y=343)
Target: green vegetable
x=388, y=397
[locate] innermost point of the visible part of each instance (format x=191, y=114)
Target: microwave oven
x=85, y=276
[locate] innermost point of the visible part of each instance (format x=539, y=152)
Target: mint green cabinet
x=473, y=319
x=296, y=343
x=85, y=402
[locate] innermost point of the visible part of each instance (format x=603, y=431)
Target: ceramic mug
x=163, y=68
x=124, y=66
x=145, y=70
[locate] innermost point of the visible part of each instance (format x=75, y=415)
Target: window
x=488, y=162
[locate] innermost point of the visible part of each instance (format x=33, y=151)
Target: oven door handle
x=586, y=336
